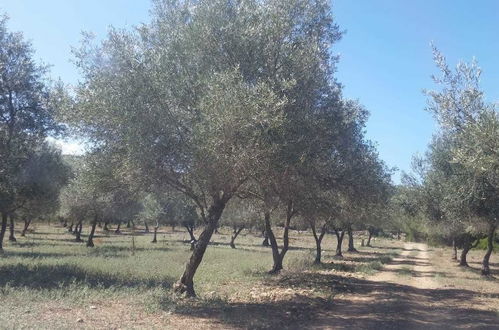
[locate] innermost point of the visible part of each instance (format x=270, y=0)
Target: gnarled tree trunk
x=3, y=229
x=277, y=256
x=90, y=240
x=351, y=247
x=339, y=241
x=464, y=253
x=154, y=239
x=235, y=233
x=273, y=244
x=186, y=283
x=265, y=239
x=370, y=232
x=318, y=241
x=26, y=225
x=118, y=231
x=12, y=236
x=190, y=230
x=146, y=227
x=70, y=228
x=490, y=247
x=75, y=229
x=106, y=228
x=78, y=229
x=467, y=246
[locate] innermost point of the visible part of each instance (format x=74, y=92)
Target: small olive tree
x=473, y=124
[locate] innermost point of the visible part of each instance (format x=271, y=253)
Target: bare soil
x=406, y=295
x=420, y=288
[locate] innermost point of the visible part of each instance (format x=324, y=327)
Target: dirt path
x=412, y=267
x=405, y=295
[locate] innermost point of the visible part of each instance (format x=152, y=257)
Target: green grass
x=482, y=244
x=405, y=271
x=371, y=267
x=47, y=268
x=53, y=267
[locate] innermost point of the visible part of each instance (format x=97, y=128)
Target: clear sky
x=385, y=54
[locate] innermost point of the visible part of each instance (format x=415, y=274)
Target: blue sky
x=385, y=54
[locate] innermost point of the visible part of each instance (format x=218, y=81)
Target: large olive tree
x=207, y=93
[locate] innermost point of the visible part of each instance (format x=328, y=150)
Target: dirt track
x=405, y=296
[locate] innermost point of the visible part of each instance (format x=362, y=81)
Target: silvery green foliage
x=471, y=129
x=241, y=213
x=208, y=92
x=40, y=181
x=460, y=99
x=97, y=192
x=26, y=115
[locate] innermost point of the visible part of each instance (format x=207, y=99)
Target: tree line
x=453, y=191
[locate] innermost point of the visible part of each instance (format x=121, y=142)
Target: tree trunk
x=128, y=224
x=318, y=241
x=190, y=230
x=3, y=230
x=118, y=231
x=351, y=247
x=186, y=283
x=154, y=239
x=454, y=249
x=369, y=238
x=75, y=230
x=70, y=229
x=106, y=228
x=490, y=247
x=235, y=233
x=277, y=256
x=90, y=241
x=26, y=225
x=12, y=236
x=273, y=244
x=265, y=239
x=78, y=229
x=339, y=241
x=146, y=227
x=466, y=248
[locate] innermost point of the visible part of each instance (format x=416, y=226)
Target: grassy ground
x=450, y=275
x=49, y=281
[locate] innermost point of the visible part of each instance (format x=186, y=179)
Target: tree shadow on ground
x=367, y=305
x=36, y=255
x=112, y=250
x=386, y=247
x=478, y=270
x=249, y=246
x=61, y=276
x=410, y=263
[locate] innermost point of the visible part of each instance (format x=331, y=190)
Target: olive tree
x=26, y=116
x=40, y=181
x=462, y=112
x=240, y=214
x=197, y=98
